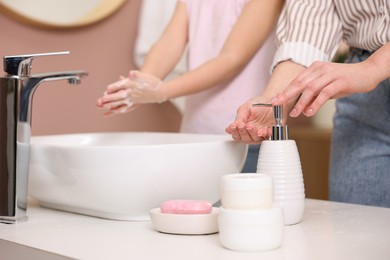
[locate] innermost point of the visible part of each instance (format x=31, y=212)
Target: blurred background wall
x=105, y=50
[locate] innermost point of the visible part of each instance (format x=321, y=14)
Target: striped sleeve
x=308, y=30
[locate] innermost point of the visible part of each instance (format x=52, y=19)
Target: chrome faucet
x=16, y=92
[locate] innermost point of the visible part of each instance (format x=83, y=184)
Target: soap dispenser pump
x=279, y=131
x=279, y=157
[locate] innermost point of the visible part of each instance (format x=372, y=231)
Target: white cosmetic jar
x=246, y=191
x=251, y=230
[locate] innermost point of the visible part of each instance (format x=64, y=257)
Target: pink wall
x=105, y=51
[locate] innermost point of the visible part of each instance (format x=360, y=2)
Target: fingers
x=245, y=129
x=134, y=74
x=315, y=96
x=115, y=103
x=117, y=107
x=118, y=85
x=294, y=89
x=232, y=130
x=297, y=86
x=99, y=103
x=245, y=134
x=144, y=81
x=120, y=110
x=325, y=94
x=252, y=134
x=118, y=96
x=249, y=135
x=313, y=87
x=139, y=77
x=239, y=123
x=109, y=100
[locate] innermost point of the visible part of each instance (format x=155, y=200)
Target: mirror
x=59, y=13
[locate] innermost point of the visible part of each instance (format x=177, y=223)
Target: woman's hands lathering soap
x=186, y=207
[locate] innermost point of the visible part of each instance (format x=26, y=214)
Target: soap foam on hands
x=186, y=207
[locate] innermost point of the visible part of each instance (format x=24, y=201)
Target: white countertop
x=328, y=231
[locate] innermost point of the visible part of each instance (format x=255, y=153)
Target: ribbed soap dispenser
x=279, y=157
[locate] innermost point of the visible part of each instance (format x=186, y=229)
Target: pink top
x=210, y=22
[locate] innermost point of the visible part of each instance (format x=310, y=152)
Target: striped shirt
x=310, y=30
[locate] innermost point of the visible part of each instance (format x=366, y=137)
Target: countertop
x=328, y=230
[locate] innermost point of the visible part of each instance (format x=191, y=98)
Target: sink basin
x=122, y=176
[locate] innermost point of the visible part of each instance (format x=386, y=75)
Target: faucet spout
x=16, y=93
x=30, y=84
x=72, y=76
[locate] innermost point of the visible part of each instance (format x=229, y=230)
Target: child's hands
x=146, y=88
x=123, y=95
x=116, y=102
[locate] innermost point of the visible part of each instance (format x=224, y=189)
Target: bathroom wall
x=105, y=50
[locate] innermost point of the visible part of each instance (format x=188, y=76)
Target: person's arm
x=308, y=30
x=326, y=80
x=167, y=51
x=241, y=45
x=160, y=61
x=253, y=27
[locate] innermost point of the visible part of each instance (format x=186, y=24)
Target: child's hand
x=145, y=88
x=252, y=124
x=123, y=95
x=116, y=101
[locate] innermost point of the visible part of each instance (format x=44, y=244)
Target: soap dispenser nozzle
x=279, y=131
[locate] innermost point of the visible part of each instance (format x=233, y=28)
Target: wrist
x=376, y=71
x=164, y=91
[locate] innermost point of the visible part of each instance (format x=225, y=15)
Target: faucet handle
x=20, y=65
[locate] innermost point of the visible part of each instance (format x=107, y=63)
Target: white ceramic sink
x=123, y=176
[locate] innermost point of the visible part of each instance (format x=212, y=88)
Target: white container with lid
x=251, y=230
x=246, y=191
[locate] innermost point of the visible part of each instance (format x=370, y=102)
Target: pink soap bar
x=186, y=207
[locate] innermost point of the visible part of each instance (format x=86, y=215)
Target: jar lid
x=246, y=181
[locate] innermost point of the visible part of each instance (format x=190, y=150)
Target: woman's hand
x=326, y=80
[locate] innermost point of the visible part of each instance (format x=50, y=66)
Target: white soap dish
x=185, y=224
